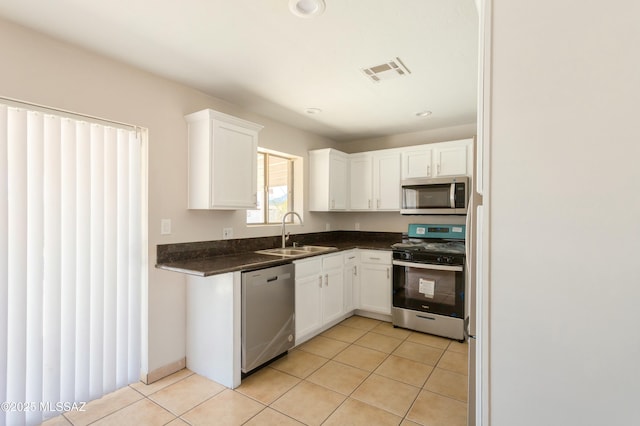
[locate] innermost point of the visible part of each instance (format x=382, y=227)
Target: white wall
x=40, y=70
x=564, y=203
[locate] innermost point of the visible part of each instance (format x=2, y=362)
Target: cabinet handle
x=428, y=170
x=320, y=281
x=378, y=203
x=326, y=279
x=369, y=203
x=355, y=271
x=387, y=273
x=438, y=169
x=374, y=258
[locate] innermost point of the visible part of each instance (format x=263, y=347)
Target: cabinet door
x=350, y=275
x=233, y=172
x=375, y=288
x=451, y=160
x=360, y=174
x=416, y=163
x=332, y=295
x=386, y=172
x=308, y=305
x=338, y=182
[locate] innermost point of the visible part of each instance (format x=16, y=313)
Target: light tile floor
x=360, y=372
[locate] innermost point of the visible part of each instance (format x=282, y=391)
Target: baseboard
x=373, y=315
x=164, y=371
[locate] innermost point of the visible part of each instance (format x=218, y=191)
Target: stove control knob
x=440, y=259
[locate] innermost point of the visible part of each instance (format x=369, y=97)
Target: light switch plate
x=165, y=227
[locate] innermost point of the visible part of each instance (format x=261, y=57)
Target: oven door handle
x=428, y=266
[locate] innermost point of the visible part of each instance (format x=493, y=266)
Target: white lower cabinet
x=214, y=327
x=351, y=286
x=375, y=281
x=330, y=288
x=319, y=293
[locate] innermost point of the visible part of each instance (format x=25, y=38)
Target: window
x=275, y=189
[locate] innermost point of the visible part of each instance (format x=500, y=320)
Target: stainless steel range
x=429, y=280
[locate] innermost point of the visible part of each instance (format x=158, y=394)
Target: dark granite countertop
x=217, y=257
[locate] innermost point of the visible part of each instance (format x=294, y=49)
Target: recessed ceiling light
x=306, y=8
x=423, y=113
x=313, y=110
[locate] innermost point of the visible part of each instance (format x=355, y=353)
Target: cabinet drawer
x=332, y=261
x=351, y=257
x=375, y=256
x=307, y=267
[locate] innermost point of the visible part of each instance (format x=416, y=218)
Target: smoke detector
x=386, y=71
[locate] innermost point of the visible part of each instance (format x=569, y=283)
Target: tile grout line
x=347, y=397
x=372, y=372
x=405, y=339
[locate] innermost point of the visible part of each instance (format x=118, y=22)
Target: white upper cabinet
x=360, y=180
x=222, y=161
x=370, y=181
x=374, y=179
x=416, y=162
x=452, y=158
x=438, y=159
x=386, y=180
x=328, y=178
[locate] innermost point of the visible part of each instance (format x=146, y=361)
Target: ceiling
x=260, y=56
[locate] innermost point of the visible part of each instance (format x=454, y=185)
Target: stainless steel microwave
x=448, y=195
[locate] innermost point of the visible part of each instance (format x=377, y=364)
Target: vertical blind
x=70, y=264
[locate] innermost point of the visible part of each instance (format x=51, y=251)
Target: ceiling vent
x=388, y=70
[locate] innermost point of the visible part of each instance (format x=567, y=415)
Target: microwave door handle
x=452, y=196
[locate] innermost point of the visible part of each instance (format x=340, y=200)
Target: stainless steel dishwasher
x=268, y=319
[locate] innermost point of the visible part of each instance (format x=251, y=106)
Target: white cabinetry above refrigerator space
x=222, y=161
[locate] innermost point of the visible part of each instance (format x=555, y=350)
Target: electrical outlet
x=165, y=227
x=357, y=226
x=227, y=233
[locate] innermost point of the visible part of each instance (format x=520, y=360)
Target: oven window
x=429, y=290
x=432, y=287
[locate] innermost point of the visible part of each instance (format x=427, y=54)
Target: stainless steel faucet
x=284, y=218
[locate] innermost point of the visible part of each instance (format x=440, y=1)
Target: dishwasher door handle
x=279, y=277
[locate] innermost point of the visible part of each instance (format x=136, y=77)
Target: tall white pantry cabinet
x=222, y=161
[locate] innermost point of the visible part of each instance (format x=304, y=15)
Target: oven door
x=438, y=289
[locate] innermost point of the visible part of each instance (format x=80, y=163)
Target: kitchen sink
x=296, y=251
